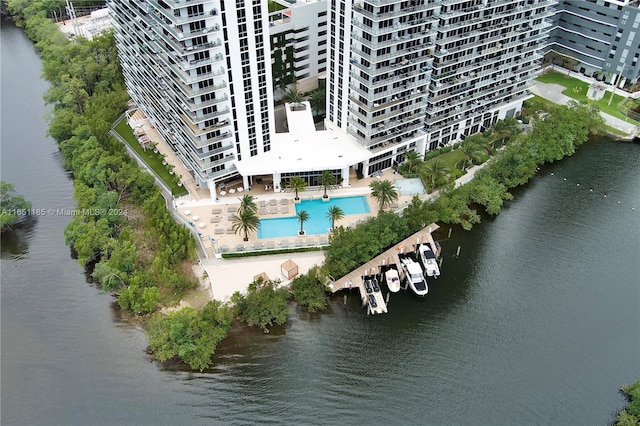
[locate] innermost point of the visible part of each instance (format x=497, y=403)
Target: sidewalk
x=553, y=92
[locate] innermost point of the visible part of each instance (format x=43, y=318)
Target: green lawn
x=577, y=89
x=153, y=160
x=449, y=159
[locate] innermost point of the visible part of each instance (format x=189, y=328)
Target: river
x=535, y=323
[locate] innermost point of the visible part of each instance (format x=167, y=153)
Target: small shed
x=596, y=91
x=289, y=269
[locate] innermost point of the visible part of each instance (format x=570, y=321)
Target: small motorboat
x=391, y=278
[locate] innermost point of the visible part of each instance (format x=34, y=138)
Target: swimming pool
x=318, y=222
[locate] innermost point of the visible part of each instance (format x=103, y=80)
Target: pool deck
x=214, y=217
x=229, y=275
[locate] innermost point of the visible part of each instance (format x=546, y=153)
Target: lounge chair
x=284, y=201
x=231, y=209
x=230, y=231
x=215, y=219
x=216, y=211
x=218, y=231
x=262, y=203
x=284, y=210
x=273, y=202
x=273, y=210
x=262, y=210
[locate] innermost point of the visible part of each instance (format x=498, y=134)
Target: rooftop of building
x=87, y=26
x=306, y=151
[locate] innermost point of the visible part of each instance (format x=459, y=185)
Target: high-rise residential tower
x=401, y=75
x=418, y=74
x=200, y=70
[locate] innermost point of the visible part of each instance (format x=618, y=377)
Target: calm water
x=318, y=222
x=536, y=322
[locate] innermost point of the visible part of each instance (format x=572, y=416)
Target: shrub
x=264, y=304
x=189, y=335
x=309, y=290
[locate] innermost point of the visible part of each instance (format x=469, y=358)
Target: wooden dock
x=354, y=278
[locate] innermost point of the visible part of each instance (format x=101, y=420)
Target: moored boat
x=414, y=277
x=391, y=277
x=428, y=260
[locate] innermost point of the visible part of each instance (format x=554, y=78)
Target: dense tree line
x=133, y=243
x=556, y=133
x=630, y=416
x=123, y=228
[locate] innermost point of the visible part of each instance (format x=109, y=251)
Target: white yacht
x=414, y=277
x=428, y=260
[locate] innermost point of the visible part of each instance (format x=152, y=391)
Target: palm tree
x=317, y=99
x=334, y=213
x=434, y=170
x=297, y=184
x=302, y=216
x=245, y=221
x=248, y=202
x=413, y=161
x=472, y=152
x=293, y=96
x=328, y=182
x=384, y=191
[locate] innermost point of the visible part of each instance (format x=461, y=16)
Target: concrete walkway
x=553, y=92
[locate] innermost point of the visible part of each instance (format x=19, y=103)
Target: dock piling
x=388, y=294
x=450, y=229
x=458, y=252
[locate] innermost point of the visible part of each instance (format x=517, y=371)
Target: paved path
x=553, y=92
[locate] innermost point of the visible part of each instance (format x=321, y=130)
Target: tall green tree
x=472, y=152
x=384, y=191
x=309, y=290
x=293, y=95
x=245, y=221
x=317, y=100
x=13, y=207
x=550, y=58
x=415, y=214
x=434, y=171
x=413, y=161
x=334, y=213
x=328, y=182
x=264, y=304
x=302, y=216
x=189, y=335
x=297, y=184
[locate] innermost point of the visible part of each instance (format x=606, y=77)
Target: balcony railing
x=377, y=16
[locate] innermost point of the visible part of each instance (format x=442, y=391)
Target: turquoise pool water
x=318, y=222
